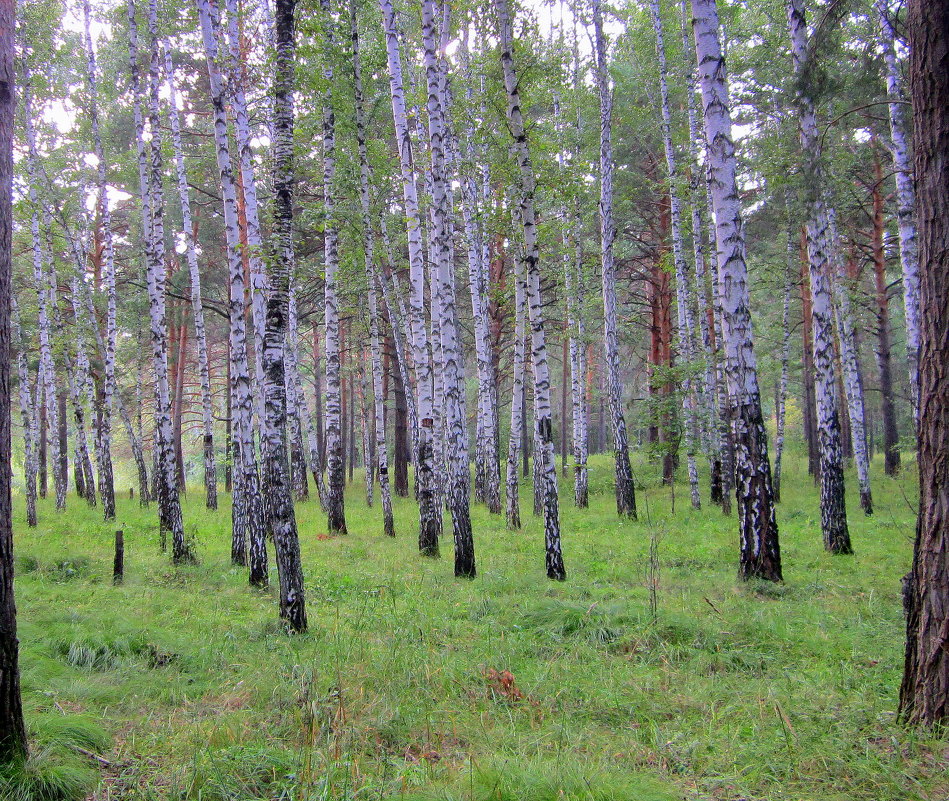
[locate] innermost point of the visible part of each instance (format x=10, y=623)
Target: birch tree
x=625, y=487
x=429, y=513
x=758, y=530
x=104, y=437
x=531, y=256
x=194, y=273
x=247, y=509
x=517, y=396
x=336, y=480
x=28, y=413
x=150, y=183
x=832, y=503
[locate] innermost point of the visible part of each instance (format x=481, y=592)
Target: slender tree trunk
x=247, y=507
x=891, y=439
x=28, y=414
x=517, y=396
x=625, y=487
x=47, y=367
x=13, y=744
x=153, y=216
x=780, y=408
x=197, y=309
x=832, y=501
x=104, y=428
x=283, y=518
x=401, y=436
x=378, y=414
x=807, y=372
x=758, y=529
x=335, y=432
x=459, y=480
x=685, y=314
x=905, y=200
x=924, y=693
x=429, y=513
x=298, y=416
x=851, y=372
x=43, y=434
x=531, y=269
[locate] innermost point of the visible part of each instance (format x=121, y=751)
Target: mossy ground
x=412, y=684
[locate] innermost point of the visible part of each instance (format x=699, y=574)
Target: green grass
x=414, y=685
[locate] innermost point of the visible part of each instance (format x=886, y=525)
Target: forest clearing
x=446, y=401
x=400, y=688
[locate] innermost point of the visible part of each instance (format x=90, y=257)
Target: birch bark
x=625, y=487
x=517, y=396
x=758, y=531
x=28, y=414
x=542, y=410
x=832, y=504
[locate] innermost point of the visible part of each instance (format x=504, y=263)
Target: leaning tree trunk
x=13, y=743
x=247, y=510
x=905, y=200
x=194, y=272
x=153, y=214
x=336, y=478
x=104, y=441
x=853, y=380
x=758, y=529
x=625, y=487
x=378, y=408
x=924, y=693
x=47, y=367
x=531, y=269
x=248, y=183
x=459, y=480
x=517, y=396
x=685, y=314
x=832, y=502
x=715, y=441
x=28, y=414
x=429, y=513
x=279, y=487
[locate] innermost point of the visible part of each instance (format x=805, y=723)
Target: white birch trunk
x=194, y=272
x=456, y=452
x=517, y=396
x=29, y=414
x=297, y=415
x=378, y=410
x=106, y=480
x=542, y=410
x=245, y=158
x=152, y=216
x=429, y=513
x=625, y=488
x=247, y=511
x=758, y=530
x=780, y=412
x=853, y=381
x=905, y=199
x=335, y=436
x=684, y=312
x=832, y=503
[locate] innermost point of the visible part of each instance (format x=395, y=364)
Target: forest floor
x=412, y=684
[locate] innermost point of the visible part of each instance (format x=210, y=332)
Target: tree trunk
x=378, y=407
x=891, y=439
x=153, y=217
x=905, y=201
x=531, y=269
x=13, y=744
x=43, y=434
x=924, y=693
x=197, y=309
x=283, y=518
x=819, y=248
x=685, y=315
x=513, y=509
x=104, y=427
x=429, y=513
x=27, y=410
x=298, y=416
x=807, y=373
x=780, y=406
x=247, y=507
x=625, y=487
x=758, y=530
